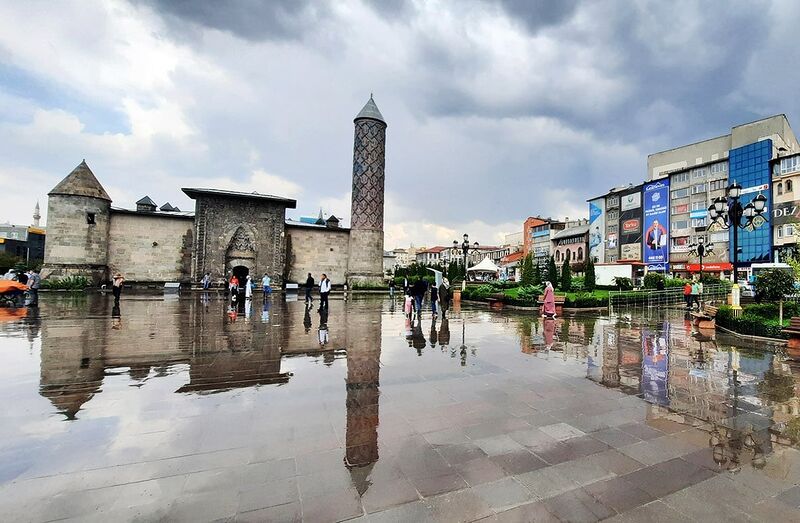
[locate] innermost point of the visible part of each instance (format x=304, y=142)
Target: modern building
x=539, y=233
x=515, y=240
x=402, y=259
x=389, y=262
x=693, y=175
x=786, y=206
x=25, y=242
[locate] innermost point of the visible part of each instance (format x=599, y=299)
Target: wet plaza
x=180, y=409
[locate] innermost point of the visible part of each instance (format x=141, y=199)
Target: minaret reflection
x=363, y=392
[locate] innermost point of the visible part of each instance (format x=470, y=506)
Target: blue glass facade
x=749, y=166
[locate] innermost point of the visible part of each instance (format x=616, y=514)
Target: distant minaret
x=366, y=212
x=36, y=215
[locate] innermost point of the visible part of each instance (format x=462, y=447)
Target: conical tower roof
x=81, y=182
x=370, y=111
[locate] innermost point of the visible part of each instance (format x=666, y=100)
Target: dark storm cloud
x=535, y=14
x=247, y=19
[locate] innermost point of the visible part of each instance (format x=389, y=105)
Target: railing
x=667, y=297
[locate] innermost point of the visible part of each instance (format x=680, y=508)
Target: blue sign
x=656, y=224
x=698, y=215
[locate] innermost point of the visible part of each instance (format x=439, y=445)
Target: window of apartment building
x=790, y=165
x=721, y=236
x=716, y=185
x=699, y=206
x=613, y=201
x=680, y=242
x=612, y=228
x=785, y=231
x=698, y=222
x=788, y=186
x=680, y=224
x=612, y=258
x=680, y=193
x=721, y=167
x=780, y=187
x=700, y=173
x=612, y=215
x=698, y=188
x=680, y=177
x=580, y=253
x=678, y=209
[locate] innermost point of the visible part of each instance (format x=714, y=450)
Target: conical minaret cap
x=370, y=111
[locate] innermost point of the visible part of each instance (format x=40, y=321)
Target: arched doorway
x=241, y=272
x=240, y=257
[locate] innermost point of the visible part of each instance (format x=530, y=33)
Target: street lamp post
x=700, y=249
x=728, y=212
x=465, y=248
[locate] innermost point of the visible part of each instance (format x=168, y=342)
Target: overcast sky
x=496, y=109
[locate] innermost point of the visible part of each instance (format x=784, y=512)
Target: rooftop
x=195, y=192
x=572, y=231
x=81, y=182
x=370, y=111
x=166, y=214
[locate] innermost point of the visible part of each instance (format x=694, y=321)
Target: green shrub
x=70, y=283
x=651, y=280
x=674, y=282
x=585, y=300
x=577, y=284
x=529, y=295
x=749, y=323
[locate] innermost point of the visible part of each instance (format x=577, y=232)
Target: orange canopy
x=11, y=286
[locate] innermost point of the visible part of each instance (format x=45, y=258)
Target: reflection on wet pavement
x=187, y=409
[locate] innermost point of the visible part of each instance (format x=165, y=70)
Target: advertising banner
x=656, y=225
x=631, y=201
x=631, y=252
x=597, y=227
x=785, y=213
x=612, y=240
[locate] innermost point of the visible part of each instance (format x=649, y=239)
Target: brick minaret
x=365, y=264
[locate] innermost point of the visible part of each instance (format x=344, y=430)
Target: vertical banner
x=597, y=229
x=656, y=226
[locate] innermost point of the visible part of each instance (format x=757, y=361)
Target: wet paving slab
x=184, y=409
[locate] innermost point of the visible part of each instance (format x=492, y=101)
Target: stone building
x=228, y=233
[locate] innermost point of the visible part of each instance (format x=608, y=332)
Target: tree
x=566, y=276
x=552, y=271
x=589, y=278
x=774, y=285
x=527, y=277
x=537, y=273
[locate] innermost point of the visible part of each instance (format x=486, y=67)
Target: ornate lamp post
x=700, y=249
x=728, y=213
x=465, y=249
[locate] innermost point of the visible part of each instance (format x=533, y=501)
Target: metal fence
x=668, y=297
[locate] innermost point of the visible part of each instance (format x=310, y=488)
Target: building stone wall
x=317, y=250
x=150, y=247
x=74, y=246
x=232, y=231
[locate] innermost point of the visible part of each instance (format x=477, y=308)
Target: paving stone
x=503, y=494
x=546, y=482
x=561, y=431
x=518, y=462
x=481, y=470
x=498, y=445
x=577, y=505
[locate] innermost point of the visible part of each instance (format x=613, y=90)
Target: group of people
x=324, y=291
x=692, y=292
x=234, y=286
x=29, y=278
x=416, y=291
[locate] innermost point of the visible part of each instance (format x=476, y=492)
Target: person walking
x=408, y=305
x=324, y=290
x=309, y=288
x=549, y=305
x=418, y=291
x=444, y=297
x=266, y=285
x=434, y=298
x=116, y=287
x=695, y=294
x=33, y=287
x=391, y=288
x=248, y=287
x=233, y=285
x=206, y=281
x=687, y=294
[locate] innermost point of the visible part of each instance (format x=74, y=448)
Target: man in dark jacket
x=418, y=291
x=309, y=288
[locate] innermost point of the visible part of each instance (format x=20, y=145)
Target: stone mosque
x=228, y=232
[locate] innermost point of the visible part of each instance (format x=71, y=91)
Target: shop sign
x=755, y=188
x=678, y=266
x=785, y=213
x=722, y=266
x=698, y=214
x=631, y=226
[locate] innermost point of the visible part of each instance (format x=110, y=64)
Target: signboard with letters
x=656, y=225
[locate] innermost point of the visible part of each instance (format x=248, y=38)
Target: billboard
x=631, y=252
x=597, y=228
x=631, y=201
x=655, y=240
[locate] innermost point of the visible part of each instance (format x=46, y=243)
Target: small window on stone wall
x=90, y=218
